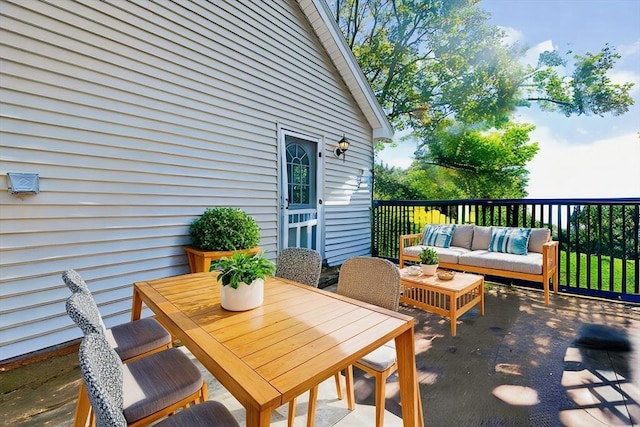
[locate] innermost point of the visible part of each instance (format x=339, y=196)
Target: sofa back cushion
x=463, y=236
x=510, y=240
x=437, y=235
x=539, y=236
x=481, y=238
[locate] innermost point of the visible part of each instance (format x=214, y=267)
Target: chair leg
x=83, y=407
x=204, y=393
x=311, y=411
x=351, y=400
x=292, y=412
x=338, y=386
x=381, y=386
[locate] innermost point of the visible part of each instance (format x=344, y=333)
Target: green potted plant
x=428, y=261
x=218, y=233
x=242, y=280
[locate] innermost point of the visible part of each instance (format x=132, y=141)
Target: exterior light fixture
x=341, y=149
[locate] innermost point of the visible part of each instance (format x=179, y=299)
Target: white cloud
x=511, y=35
x=532, y=55
x=603, y=168
x=629, y=49
x=624, y=76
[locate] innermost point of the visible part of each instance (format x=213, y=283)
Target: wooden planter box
x=200, y=261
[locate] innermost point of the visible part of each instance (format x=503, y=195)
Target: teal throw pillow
x=510, y=240
x=438, y=235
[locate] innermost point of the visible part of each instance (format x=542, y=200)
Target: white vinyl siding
x=139, y=116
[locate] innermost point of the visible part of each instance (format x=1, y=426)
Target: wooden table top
x=267, y=356
x=459, y=282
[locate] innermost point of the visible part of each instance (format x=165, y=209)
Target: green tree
x=586, y=91
x=612, y=231
x=487, y=164
x=438, y=65
x=416, y=183
x=428, y=61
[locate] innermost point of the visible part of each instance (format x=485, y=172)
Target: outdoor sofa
x=517, y=253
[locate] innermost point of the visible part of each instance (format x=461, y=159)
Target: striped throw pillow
x=510, y=240
x=437, y=235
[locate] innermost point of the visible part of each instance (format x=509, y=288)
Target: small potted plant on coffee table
x=218, y=233
x=242, y=280
x=428, y=261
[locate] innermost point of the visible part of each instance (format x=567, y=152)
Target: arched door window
x=299, y=175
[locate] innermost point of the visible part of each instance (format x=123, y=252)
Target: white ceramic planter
x=244, y=298
x=429, y=270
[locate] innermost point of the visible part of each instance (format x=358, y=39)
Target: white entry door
x=300, y=190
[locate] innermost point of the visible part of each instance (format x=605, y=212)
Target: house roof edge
x=327, y=30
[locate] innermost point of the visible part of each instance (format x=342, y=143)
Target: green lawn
x=605, y=274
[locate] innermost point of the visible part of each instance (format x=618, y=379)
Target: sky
x=579, y=157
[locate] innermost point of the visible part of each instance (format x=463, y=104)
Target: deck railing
x=599, y=238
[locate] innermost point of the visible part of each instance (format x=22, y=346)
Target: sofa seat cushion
x=531, y=263
x=449, y=254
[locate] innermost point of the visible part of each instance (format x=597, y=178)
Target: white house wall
x=137, y=117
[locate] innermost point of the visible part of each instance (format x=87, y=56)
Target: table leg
x=409, y=396
x=136, y=306
x=482, y=297
x=257, y=418
x=453, y=301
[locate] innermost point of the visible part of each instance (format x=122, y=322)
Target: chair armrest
x=407, y=240
x=550, y=255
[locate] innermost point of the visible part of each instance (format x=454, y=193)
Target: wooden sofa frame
x=549, y=265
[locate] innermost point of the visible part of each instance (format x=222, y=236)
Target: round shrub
x=224, y=229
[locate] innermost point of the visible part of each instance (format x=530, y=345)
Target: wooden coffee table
x=450, y=298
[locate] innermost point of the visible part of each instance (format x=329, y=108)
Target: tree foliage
x=611, y=231
x=439, y=69
x=489, y=164
x=588, y=90
x=432, y=60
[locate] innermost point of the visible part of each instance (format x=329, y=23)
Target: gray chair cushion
x=155, y=382
x=132, y=339
x=129, y=339
x=381, y=358
x=206, y=414
x=102, y=373
x=74, y=282
x=301, y=265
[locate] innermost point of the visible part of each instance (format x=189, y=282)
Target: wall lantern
x=341, y=149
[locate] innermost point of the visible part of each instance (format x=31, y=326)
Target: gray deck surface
x=518, y=365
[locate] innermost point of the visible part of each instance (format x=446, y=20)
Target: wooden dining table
x=297, y=338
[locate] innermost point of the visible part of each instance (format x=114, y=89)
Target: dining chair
x=74, y=281
x=302, y=265
x=374, y=281
x=146, y=390
x=130, y=340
